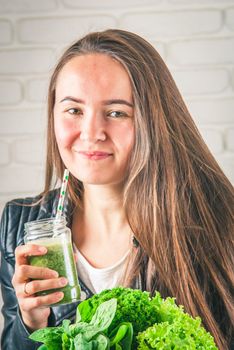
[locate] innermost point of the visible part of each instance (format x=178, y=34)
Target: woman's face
x=93, y=118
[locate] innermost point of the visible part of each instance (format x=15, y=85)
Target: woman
x=148, y=205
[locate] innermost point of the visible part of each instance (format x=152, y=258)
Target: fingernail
x=42, y=249
x=54, y=274
x=63, y=281
x=59, y=295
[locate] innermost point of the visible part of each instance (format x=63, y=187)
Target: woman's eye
x=117, y=114
x=74, y=111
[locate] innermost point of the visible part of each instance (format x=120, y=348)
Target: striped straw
x=62, y=194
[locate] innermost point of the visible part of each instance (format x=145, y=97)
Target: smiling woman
x=93, y=119
x=148, y=206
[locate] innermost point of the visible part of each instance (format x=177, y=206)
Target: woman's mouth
x=94, y=155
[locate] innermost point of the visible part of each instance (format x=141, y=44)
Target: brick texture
x=25, y=61
x=227, y=165
x=202, y=51
x=202, y=81
x=36, y=90
x=30, y=179
x=25, y=6
x=36, y=30
x=106, y=4
x=203, y=2
x=230, y=140
x=5, y=157
x=229, y=18
x=10, y=92
x=6, y=32
x=29, y=150
x=173, y=24
x=213, y=111
x=15, y=122
x=214, y=139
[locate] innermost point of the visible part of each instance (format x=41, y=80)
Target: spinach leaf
x=103, y=342
x=65, y=325
x=78, y=328
x=84, y=311
x=78, y=316
x=50, y=336
x=101, y=319
x=81, y=343
x=83, y=335
x=67, y=342
x=104, y=314
x=122, y=336
x=118, y=347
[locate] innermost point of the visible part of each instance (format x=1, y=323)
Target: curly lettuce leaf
x=130, y=304
x=184, y=333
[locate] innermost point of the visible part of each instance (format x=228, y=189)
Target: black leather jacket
x=16, y=213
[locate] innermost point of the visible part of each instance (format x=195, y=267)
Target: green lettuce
x=125, y=319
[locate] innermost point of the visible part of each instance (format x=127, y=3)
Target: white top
x=99, y=279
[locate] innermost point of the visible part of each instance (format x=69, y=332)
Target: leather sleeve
x=15, y=334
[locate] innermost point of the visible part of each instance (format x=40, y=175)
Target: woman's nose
x=92, y=128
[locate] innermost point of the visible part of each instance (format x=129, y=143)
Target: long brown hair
x=178, y=202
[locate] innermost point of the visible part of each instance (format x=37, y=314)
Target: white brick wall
x=35, y=30
x=24, y=61
x=203, y=51
x=11, y=92
x=202, y=81
x=177, y=23
x=195, y=37
x=6, y=32
x=26, y=6
x=230, y=140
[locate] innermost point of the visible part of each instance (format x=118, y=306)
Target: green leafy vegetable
x=82, y=335
x=182, y=334
x=50, y=336
x=143, y=311
x=42, y=347
x=133, y=306
x=104, y=315
x=102, y=342
x=125, y=319
x=82, y=344
x=122, y=336
x=85, y=311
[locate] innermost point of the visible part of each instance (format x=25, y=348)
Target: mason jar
x=56, y=237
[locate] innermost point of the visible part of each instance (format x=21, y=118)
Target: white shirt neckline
x=98, y=279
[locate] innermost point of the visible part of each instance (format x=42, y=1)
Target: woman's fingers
x=25, y=272
x=31, y=303
x=28, y=280
x=36, y=286
x=22, y=252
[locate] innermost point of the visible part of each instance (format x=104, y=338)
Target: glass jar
x=56, y=237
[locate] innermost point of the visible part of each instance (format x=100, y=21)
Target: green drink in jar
x=56, y=237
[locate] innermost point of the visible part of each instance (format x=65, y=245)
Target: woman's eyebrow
x=117, y=102
x=105, y=102
x=70, y=98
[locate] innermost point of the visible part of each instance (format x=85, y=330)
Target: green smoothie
x=59, y=257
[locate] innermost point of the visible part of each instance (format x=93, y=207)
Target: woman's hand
x=34, y=309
